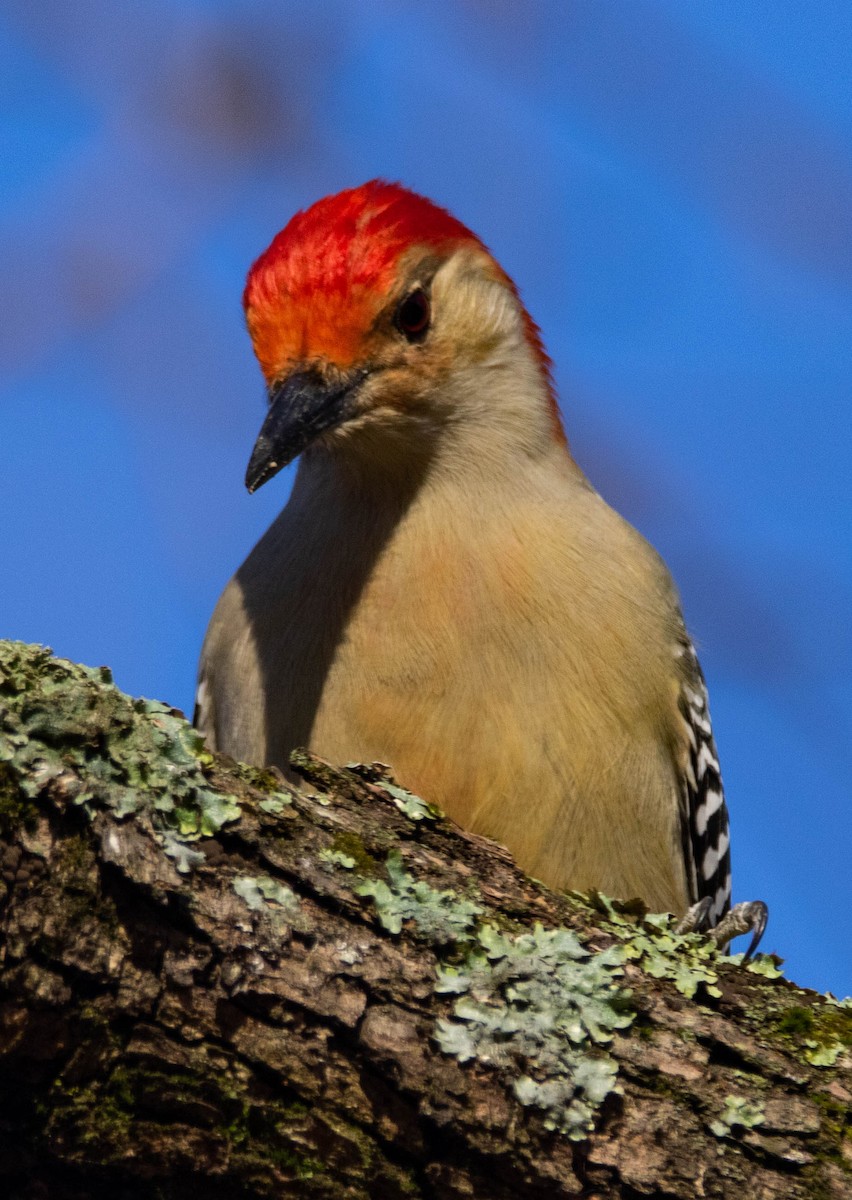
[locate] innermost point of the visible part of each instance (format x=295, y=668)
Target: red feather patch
x=350, y=240
x=334, y=264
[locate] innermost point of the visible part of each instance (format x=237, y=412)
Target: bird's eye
x=413, y=315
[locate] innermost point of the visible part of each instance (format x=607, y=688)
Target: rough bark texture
x=215, y=984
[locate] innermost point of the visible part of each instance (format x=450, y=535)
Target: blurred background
x=671, y=186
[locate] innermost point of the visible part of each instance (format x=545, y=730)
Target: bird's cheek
x=413, y=387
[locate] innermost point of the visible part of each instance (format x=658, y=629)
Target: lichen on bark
x=63, y=722
x=211, y=980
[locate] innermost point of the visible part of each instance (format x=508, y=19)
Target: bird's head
x=377, y=313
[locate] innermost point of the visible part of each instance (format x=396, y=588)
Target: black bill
x=305, y=405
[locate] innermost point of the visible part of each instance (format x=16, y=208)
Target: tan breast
x=511, y=674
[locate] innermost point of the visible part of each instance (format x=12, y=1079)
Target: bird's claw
x=748, y=917
x=697, y=918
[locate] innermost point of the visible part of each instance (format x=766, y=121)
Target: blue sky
x=670, y=185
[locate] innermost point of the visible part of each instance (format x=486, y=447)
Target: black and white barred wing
x=706, y=836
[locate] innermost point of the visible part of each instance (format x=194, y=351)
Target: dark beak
x=305, y=405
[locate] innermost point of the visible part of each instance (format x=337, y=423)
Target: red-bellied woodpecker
x=445, y=591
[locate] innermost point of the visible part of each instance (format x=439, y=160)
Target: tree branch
x=210, y=979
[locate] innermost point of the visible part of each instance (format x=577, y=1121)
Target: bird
x=445, y=591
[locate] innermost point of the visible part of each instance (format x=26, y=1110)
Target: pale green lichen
x=686, y=959
x=277, y=906
x=185, y=857
x=689, y=960
x=413, y=807
x=336, y=858
x=276, y=800
x=836, y=1028
x=441, y=916
x=766, y=965
x=817, y=1032
x=258, y=891
x=275, y=804
x=738, y=1111
x=540, y=1001
x=536, y=1001
x=822, y=1055
x=59, y=719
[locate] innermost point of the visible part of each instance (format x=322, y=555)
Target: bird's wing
x=706, y=837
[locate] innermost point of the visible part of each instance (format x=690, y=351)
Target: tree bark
x=214, y=983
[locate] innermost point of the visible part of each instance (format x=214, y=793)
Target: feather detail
x=706, y=836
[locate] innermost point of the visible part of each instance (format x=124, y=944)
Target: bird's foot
x=748, y=917
x=697, y=918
